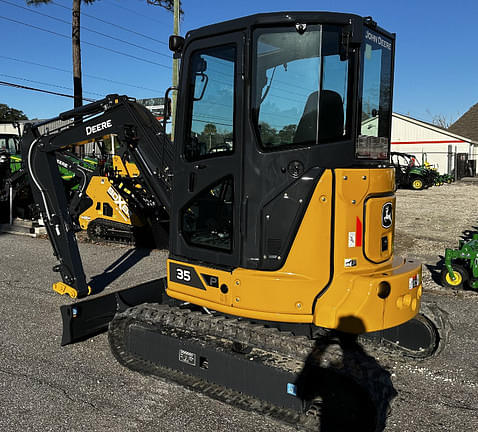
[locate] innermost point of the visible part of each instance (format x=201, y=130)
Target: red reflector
x=358, y=230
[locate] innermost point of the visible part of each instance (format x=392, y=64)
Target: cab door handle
x=192, y=181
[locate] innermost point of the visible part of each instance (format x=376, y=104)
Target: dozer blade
x=421, y=337
x=89, y=317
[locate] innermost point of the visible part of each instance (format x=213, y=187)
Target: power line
x=113, y=24
x=86, y=43
x=217, y=123
x=48, y=84
x=135, y=12
x=84, y=74
x=84, y=28
x=213, y=117
x=9, y=84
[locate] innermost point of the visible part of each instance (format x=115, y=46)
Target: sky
x=436, y=65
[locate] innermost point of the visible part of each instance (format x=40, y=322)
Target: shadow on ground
x=348, y=389
x=119, y=267
x=467, y=235
x=436, y=269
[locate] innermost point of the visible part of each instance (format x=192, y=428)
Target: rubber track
x=285, y=351
x=126, y=238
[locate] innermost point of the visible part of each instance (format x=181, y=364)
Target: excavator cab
x=282, y=191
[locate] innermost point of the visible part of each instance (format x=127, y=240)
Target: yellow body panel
x=127, y=170
x=308, y=288
x=102, y=192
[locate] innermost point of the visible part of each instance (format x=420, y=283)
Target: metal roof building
x=467, y=124
x=431, y=143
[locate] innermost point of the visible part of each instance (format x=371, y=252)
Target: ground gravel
x=44, y=387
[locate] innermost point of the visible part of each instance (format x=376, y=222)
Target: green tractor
x=14, y=189
x=461, y=265
x=11, y=160
x=440, y=179
x=15, y=193
x=409, y=173
x=70, y=181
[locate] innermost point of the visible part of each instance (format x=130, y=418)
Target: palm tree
x=210, y=129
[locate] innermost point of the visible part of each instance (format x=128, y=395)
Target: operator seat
x=331, y=119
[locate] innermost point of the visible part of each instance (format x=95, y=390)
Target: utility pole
x=175, y=70
x=75, y=37
x=76, y=50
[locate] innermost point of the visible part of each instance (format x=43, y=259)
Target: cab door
x=207, y=176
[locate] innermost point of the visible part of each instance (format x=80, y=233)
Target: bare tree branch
x=166, y=4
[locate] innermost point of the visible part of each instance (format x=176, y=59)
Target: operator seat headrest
x=331, y=119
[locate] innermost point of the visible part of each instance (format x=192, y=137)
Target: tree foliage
x=441, y=120
x=11, y=114
x=166, y=4
x=210, y=129
x=271, y=136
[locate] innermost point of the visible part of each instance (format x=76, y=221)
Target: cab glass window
x=207, y=220
x=373, y=140
x=300, y=86
x=9, y=144
x=12, y=145
x=212, y=83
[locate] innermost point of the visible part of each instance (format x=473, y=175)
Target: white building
x=11, y=128
x=430, y=143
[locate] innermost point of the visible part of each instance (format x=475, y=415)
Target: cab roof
x=280, y=18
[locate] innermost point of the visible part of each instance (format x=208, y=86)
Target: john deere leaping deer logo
x=387, y=215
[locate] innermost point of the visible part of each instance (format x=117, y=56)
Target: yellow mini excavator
x=95, y=204
x=281, y=206
x=106, y=201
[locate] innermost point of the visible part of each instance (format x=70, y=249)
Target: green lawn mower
x=447, y=178
x=439, y=179
x=461, y=265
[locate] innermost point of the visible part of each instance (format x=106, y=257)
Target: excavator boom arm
x=141, y=138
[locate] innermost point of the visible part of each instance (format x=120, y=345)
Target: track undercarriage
x=103, y=230
x=325, y=379
x=294, y=379
x=110, y=231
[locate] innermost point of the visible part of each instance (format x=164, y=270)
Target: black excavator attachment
x=84, y=319
x=423, y=336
